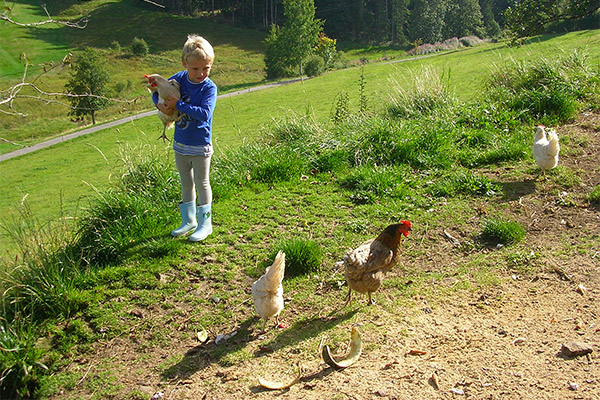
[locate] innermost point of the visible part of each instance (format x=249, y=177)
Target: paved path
x=95, y=128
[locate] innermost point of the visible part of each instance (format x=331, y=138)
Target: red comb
x=407, y=223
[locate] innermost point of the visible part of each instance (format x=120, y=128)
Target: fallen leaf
x=202, y=336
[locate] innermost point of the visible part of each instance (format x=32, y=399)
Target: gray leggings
x=193, y=171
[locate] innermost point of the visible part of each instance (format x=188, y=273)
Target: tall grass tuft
x=428, y=95
x=302, y=256
x=36, y=285
x=502, y=231
x=39, y=282
x=20, y=369
x=134, y=215
x=548, y=91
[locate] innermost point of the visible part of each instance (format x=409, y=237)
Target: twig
x=85, y=375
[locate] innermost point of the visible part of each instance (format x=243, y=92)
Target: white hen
x=546, y=149
x=165, y=88
x=267, y=291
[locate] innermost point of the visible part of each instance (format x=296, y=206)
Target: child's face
x=197, y=68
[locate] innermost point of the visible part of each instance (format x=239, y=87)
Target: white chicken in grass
x=546, y=148
x=165, y=89
x=267, y=291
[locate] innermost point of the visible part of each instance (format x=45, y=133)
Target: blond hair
x=197, y=47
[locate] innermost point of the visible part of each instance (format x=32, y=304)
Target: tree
x=531, y=17
x=88, y=83
x=463, y=18
x=491, y=26
x=288, y=46
x=427, y=20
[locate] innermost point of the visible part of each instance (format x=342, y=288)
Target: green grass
x=324, y=186
x=244, y=118
x=594, y=196
x=502, y=231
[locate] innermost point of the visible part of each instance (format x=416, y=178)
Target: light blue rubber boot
x=204, y=217
x=188, y=218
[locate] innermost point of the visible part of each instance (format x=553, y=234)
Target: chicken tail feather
x=274, y=275
x=553, y=145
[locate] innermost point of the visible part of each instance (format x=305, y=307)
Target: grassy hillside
x=111, y=29
x=243, y=118
x=117, y=309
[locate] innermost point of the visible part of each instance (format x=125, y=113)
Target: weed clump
x=302, y=256
x=549, y=91
x=502, y=231
x=594, y=196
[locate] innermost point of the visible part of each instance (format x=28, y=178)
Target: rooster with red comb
x=366, y=266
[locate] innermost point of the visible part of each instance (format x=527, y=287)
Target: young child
x=193, y=134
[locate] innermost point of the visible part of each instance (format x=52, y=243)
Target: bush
x=314, y=66
x=502, y=231
x=115, y=46
x=139, y=47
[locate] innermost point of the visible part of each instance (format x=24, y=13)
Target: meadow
x=100, y=302
x=245, y=118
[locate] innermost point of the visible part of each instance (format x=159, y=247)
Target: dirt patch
x=503, y=342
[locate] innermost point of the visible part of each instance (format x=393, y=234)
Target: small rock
x=457, y=391
x=576, y=349
x=519, y=340
x=573, y=386
x=158, y=396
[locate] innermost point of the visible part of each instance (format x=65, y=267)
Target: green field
x=65, y=174
x=102, y=297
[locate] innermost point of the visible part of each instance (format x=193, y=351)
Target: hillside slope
x=488, y=322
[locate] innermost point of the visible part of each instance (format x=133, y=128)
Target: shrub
x=301, y=256
x=139, y=47
x=502, y=231
x=115, y=46
x=314, y=66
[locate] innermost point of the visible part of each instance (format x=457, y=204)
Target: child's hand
x=171, y=101
x=168, y=107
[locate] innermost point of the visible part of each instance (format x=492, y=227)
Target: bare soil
x=499, y=341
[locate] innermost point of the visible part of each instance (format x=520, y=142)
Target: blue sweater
x=197, y=103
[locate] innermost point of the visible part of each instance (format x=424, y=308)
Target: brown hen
x=366, y=266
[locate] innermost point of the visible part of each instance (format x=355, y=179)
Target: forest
x=398, y=22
